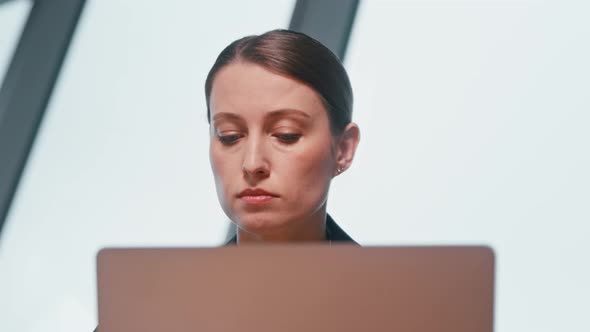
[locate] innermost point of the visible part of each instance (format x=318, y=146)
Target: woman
x=280, y=108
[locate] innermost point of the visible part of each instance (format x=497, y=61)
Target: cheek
x=310, y=170
x=219, y=165
x=215, y=161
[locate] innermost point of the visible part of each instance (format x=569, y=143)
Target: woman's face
x=272, y=153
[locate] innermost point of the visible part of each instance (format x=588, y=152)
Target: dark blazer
x=333, y=233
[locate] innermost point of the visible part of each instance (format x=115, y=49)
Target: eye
x=288, y=138
x=229, y=139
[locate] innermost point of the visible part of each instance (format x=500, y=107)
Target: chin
x=260, y=223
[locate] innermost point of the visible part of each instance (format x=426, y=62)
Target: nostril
x=261, y=172
x=255, y=171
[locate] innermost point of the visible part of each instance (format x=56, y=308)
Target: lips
x=256, y=196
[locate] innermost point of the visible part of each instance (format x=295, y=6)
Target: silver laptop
x=309, y=288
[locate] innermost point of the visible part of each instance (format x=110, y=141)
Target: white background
x=474, y=119
x=13, y=16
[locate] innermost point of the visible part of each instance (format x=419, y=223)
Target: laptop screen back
x=296, y=288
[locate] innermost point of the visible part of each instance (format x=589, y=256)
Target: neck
x=313, y=229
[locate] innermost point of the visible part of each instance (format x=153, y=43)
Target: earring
x=340, y=170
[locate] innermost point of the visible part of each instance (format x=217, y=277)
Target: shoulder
x=335, y=233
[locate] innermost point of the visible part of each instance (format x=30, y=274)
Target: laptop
x=293, y=287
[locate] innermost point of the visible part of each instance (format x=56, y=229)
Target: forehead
x=250, y=91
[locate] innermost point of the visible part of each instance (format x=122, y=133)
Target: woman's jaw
x=265, y=226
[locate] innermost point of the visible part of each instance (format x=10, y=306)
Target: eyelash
x=288, y=138
x=283, y=138
x=229, y=139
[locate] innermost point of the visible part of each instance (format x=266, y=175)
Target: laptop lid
x=296, y=288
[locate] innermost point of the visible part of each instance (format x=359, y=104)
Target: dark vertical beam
x=28, y=84
x=328, y=21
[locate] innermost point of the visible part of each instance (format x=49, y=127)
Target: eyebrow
x=226, y=115
x=271, y=114
x=287, y=111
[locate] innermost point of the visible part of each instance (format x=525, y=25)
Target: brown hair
x=297, y=56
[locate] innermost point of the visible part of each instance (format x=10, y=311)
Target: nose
x=255, y=163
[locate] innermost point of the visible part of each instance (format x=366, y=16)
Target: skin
x=271, y=132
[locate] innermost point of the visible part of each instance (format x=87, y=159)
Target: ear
x=346, y=147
